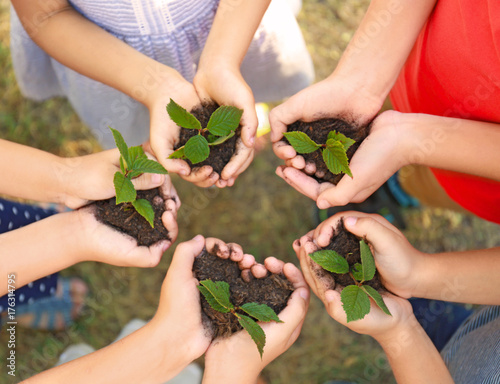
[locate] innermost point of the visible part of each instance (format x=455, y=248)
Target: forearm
x=382, y=43
x=467, y=277
x=453, y=144
x=413, y=357
x=86, y=48
x=146, y=356
x=30, y=173
x=220, y=372
x=39, y=249
x=232, y=32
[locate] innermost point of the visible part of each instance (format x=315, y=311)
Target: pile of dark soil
x=219, y=154
x=273, y=290
x=318, y=132
x=125, y=219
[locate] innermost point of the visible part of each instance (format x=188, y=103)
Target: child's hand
x=388, y=148
x=165, y=133
x=99, y=242
x=236, y=358
x=226, y=86
x=90, y=177
x=399, y=264
x=332, y=97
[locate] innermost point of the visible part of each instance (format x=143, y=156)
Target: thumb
x=184, y=255
x=296, y=308
x=380, y=236
x=148, y=181
x=334, y=307
x=249, y=123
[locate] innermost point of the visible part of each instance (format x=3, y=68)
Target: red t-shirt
x=454, y=70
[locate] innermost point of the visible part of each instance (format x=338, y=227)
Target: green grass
x=261, y=212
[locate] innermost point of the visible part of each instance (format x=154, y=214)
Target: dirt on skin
x=219, y=154
x=347, y=245
x=318, y=132
x=124, y=218
x=273, y=290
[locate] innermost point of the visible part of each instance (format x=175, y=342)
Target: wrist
x=217, y=370
x=158, y=85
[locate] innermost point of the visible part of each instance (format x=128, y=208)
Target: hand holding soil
x=99, y=242
x=235, y=358
x=123, y=218
x=235, y=91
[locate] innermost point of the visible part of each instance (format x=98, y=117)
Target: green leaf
x=149, y=166
x=301, y=142
x=336, y=159
x=357, y=272
x=182, y=117
x=125, y=191
x=136, y=153
x=121, y=145
x=221, y=139
x=122, y=165
x=178, y=154
x=346, y=141
x=367, y=261
x=211, y=300
x=255, y=331
x=355, y=302
x=224, y=120
x=331, y=261
x=372, y=292
x=196, y=149
x=144, y=208
x=261, y=312
x=134, y=174
x=219, y=292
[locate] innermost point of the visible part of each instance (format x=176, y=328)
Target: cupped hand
x=226, y=86
x=398, y=263
x=332, y=97
x=89, y=178
x=236, y=359
x=164, y=133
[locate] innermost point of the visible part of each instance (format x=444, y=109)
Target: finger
x=147, y=257
x=235, y=252
x=294, y=275
x=184, y=255
x=246, y=262
x=284, y=151
x=333, y=306
x=148, y=181
x=242, y=168
x=300, y=181
x=240, y=157
x=274, y=265
x=249, y=124
x=296, y=308
x=296, y=245
x=170, y=223
x=299, y=162
x=199, y=174
x=218, y=247
x=379, y=236
x=282, y=116
x=259, y=271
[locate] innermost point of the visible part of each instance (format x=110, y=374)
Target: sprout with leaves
x=334, y=152
x=218, y=297
x=221, y=127
x=355, y=298
x=133, y=163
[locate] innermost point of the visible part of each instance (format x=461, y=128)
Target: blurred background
x=261, y=213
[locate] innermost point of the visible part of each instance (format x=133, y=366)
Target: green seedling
x=217, y=295
x=355, y=298
x=133, y=163
x=221, y=127
x=334, y=152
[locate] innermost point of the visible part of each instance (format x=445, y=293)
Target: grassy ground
x=260, y=212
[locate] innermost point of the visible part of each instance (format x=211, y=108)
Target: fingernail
x=184, y=172
x=328, y=297
x=165, y=247
x=304, y=293
x=252, y=141
x=350, y=221
x=198, y=238
x=156, y=178
x=323, y=204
